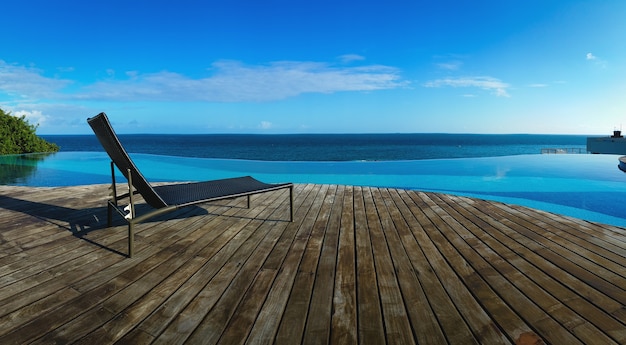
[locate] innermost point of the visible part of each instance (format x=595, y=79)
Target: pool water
x=589, y=187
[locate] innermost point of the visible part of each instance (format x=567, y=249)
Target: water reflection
x=18, y=169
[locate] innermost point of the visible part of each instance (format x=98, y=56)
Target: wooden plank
x=357, y=265
x=98, y=323
x=213, y=325
x=439, y=274
x=397, y=328
x=317, y=330
x=195, y=298
x=214, y=256
x=51, y=320
x=344, y=318
x=21, y=313
x=34, y=291
x=246, y=290
x=603, y=233
x=294, y=319
x=543, y=243
x=243, y=317
x=207, y=261
x=424, y=322
x=186, y=320
x=568, y=290
x=129, y=305
x=75, y=329
x=590, y=246
x=551, y=330
x=28, y=212
x=370, y=316
x=48, y=251
x=533, y=287
x=238, y=329
x=29, y=233
x=145, y=259
x=23, y=278
x=123, y=328
x=285, y=260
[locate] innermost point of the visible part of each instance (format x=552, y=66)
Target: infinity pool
x=589, y=187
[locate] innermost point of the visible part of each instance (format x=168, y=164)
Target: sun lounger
x=170, y=197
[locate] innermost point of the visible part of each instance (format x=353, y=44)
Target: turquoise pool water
x=590, y=187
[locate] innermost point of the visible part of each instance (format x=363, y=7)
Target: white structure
x=615, y=144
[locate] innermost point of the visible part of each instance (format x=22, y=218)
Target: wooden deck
x=358, y=265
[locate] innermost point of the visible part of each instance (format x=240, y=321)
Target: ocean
x=330, y=147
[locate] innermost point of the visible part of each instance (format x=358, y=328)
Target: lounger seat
x=166, y=198
x=192, y=193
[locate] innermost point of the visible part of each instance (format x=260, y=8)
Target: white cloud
x=231, y=82
x=597, y=61
x=347, y=58
x=493, y=85
x=265, y=125
x=34, y=117
x=236, y=82
x=538, y=85
x=28, y=82
x=450, y=66
x=54, y=114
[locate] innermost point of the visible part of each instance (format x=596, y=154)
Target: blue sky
x=498, y=66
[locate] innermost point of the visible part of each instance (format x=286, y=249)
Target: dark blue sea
x=330, y=147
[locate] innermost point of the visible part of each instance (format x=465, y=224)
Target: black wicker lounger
x=166, y=198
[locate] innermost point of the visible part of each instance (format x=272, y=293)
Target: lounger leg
x=291, y=203
x=131, y=239
x=113, y=202
x=248, y=201
x=109, y=214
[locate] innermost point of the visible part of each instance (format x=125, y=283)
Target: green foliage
x=18, y=136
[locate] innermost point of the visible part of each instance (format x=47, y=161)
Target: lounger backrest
x=111, y=144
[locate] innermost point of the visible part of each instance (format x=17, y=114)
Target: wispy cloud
x=231, y=82
x=599, y=62
x=450, y=65
x=491, y=84
x=236, y=82
x=265, y=125
x=347, y=58
x=66, y=69
x=28, y=82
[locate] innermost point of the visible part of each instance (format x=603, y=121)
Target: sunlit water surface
x=589, y=187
